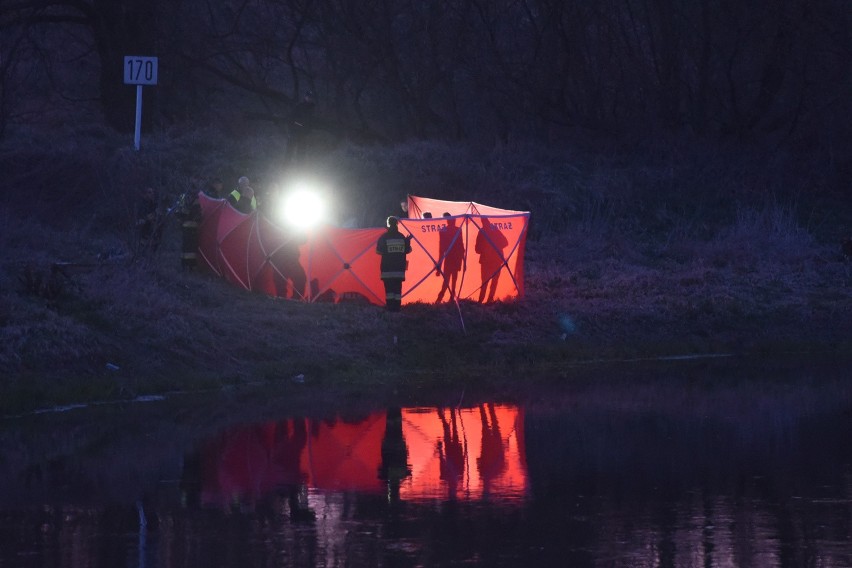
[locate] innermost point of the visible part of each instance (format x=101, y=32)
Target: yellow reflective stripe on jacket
x=237, y=196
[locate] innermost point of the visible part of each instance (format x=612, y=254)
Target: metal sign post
x=139, y=71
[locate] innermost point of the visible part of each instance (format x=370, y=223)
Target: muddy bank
x=119, y=332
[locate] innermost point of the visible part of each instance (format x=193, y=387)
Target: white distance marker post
x=139, y=71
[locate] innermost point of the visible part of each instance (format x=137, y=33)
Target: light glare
x=303, y=209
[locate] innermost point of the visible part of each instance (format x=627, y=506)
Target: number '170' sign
x=140, y=70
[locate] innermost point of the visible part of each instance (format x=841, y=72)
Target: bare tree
x=492, y=69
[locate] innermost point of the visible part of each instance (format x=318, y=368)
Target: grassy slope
x=640, y=274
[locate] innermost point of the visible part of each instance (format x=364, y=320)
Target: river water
x=677, y=466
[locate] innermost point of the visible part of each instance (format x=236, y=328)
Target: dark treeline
x=468, y=70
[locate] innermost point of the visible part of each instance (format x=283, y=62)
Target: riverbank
x=119, y=331
x=633, y=253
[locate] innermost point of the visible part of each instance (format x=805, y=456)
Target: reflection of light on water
x=698, y=532
x=730, y=475
x=597, y=468
x=64, y=408
x=80, y=406
x=337, y=523
x=330, y=525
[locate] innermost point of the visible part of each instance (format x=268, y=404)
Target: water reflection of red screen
x=464, y=453
x=341, y=456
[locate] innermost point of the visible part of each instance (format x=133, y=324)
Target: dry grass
x=643, y=266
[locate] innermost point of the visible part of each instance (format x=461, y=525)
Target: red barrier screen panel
x=476, y=253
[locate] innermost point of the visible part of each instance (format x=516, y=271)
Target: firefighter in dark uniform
x=189, y=214
x=393, y=247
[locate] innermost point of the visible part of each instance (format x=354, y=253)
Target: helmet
x=392, y=222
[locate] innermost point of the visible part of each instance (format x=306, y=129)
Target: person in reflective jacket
x=393, y=247
x=243, y=198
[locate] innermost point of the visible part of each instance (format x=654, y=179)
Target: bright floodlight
x=303, y=209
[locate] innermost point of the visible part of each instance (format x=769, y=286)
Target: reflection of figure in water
x=291, y=437
x=191, y=479
x=490, y=243
x=237, y=469
x=288, y=441
x=248, y=464
x=451, y=249
x=492, y=459
x=451, y=453
x=394, y=467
